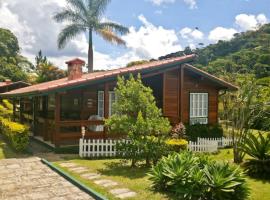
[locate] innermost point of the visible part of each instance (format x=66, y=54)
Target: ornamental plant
x=189, y=176
x=137, y=117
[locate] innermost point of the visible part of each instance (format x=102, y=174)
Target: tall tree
x=87, y=16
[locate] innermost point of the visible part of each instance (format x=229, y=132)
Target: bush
x=177, y=144
x=16, y=133
x=7, y=104
x=203, y=131
x=191, y=176
x=4, y=112
x=259, y=149
x=179, y=131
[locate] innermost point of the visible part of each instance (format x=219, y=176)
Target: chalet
x=58, y=109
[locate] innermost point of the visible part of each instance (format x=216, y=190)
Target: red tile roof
x=87, y=78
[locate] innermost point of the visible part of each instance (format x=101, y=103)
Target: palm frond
x=98, y=7
x=69, y=15
x=78, y=5
x=109, y=36
x=68, y=33
x=114, y=27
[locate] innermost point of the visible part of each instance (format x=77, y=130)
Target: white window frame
x=198, y=107
x=111, y=102
x=101, y=104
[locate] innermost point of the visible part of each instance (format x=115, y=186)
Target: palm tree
x=86, y=16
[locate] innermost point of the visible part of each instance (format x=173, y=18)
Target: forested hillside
x=246, y=53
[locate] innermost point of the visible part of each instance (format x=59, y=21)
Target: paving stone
x=29, y=178
x=91, y=176
x=105, y=183
x=68, y=164
x=78, y=169
x=126, y=195
x=119, y=191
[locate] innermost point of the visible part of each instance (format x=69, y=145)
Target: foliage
x=242, y=110
x=6, y=109
x=139, y=62
x=178, y=131
x=12, y=65
x=16, y=133
x=137, y=116
x=177, y=144
x=257, y=147
x=87, y=16
x=203, y=131
x=190, y=176
x=7, y=104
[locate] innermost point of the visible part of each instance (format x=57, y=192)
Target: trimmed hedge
x=16, y=133
x=203, y=131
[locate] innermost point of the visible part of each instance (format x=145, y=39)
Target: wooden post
x=57, y=120
x=182, y=93
x=106, y=105
x=21, y=110
x=14, y=109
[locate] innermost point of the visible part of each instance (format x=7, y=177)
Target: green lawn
x=136, y=179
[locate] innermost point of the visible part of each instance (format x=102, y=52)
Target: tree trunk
x=90, y=53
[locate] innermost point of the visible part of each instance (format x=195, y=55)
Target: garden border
x=77, y=183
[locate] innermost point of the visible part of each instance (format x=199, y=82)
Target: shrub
x=137, y=117
x=203, y=131
x=258, y=147
x=16, y=133
x=7, y=104
x=4, y=112
x=177, y=144
x=191, y=176
x=179, y=131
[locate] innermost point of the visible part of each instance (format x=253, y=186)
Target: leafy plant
x=258, y=147
x=138, y=118
x=179, y=131
x=16, y=133
x=203, y=131
x=177, y=144
x=191, y=176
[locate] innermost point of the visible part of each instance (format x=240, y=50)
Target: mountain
x=246, y=53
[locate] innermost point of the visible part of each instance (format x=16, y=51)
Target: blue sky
x=157, y=27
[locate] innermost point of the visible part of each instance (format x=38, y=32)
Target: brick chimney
x=75, y=68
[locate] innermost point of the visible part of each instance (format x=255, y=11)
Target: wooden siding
x=198, y=84
x=171, y=95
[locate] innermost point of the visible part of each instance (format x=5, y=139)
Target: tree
x=86, y=16
x=137, y=116
x=46, y=71
x=9, y=46
x=242, y=110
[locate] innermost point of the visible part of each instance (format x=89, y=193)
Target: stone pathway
x=29, y=178
x=96, y=178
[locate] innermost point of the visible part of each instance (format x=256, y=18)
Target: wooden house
x=58, y=109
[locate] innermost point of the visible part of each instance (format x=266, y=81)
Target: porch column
x=14, y=109
x=57, y=120
x=181, y=93
x=106, y=100
x=21, y=110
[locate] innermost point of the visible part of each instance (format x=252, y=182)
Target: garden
x=156, y=164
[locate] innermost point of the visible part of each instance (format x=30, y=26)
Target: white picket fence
x=222, y=142
x=107, y=147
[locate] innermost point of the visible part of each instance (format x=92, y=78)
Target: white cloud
x=151, y=41
x=191, y=3
x=250, y=22
x=221, y=33
x=191, y=34
x=159, y=2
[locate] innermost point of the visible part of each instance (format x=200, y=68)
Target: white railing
x=222, y=142
x=99, y=147
x=107, y=147
x=203, y=146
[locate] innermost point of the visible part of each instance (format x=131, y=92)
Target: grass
x=136, y=179
x=260, y=190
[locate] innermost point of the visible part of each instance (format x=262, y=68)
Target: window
x=112, y=99
x=101, y=103
x=198, y=108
